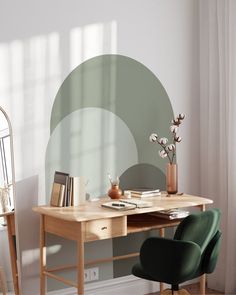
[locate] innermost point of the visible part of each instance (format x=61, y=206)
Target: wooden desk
x=91, y=222
x=10, y=218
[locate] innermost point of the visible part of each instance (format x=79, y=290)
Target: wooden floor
x=194, y=290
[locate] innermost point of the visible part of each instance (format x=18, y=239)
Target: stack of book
x=144, y=193
x=171, y=214
x=65, y=190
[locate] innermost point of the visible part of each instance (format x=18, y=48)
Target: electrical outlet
x=87, y=275
x=94, y=274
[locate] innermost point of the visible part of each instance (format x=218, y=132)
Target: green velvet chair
x=192, y=252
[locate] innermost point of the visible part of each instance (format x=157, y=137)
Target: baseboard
x=10, y=286
x=119, y=286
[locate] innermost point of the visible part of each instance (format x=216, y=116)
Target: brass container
x=114, y=192
x=172, y=178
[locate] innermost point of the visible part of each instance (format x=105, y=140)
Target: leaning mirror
x=7, y=189
x=6, y=171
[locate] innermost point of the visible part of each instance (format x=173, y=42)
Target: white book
x=78, y=190
x=118, y=205
x=144, y=191
x=137, y=203
x=146, y=195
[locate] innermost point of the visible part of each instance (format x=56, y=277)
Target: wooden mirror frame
x=10, y=217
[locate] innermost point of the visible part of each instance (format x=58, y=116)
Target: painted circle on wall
x=91, y=142
x=117, y=85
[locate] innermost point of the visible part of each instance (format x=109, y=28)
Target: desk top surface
x=4, y=214
x=92, y=210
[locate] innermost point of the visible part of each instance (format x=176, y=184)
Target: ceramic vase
x=114, y=192
x=172, y=178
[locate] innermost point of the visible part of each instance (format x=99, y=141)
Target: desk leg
x=203, y=207
x=162, y=234
x=3, y=281
x=203, y=277
x=12, y=249
x=42, y=256
x=80, y=260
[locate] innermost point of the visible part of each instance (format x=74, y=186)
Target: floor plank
x=194, y=290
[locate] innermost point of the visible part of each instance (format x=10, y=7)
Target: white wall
x=42, y=41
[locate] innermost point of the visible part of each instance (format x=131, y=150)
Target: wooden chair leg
x=3, y=282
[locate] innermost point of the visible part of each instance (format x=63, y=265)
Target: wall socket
x=91, y=274
x=86, y=275
x=94, y=274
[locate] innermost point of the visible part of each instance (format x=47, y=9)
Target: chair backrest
x=199, y=228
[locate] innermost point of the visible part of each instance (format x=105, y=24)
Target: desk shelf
x=145, y=222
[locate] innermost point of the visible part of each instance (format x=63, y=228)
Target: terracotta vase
x=172, y=178
x=114, y=192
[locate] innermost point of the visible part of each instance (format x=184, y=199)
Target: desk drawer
x=105, y=228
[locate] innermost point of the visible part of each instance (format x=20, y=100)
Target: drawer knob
x=104, y=227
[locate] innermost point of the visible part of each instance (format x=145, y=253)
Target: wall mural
x=101, y=120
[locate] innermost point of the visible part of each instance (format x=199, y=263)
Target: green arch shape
x=124, y=86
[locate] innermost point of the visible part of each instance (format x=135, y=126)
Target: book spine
x=145, y=192
x=61, y=195
x=79, y=194
x=60, y=192
x=57, y=195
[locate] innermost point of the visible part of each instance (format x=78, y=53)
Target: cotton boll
x=163, y=140
x=153, y=137
x=177, y=138
x=170, y=147
x=175, y=122
x=181, y=116
x=174, y=129
x=163, y=154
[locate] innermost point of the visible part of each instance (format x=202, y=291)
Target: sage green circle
x=90, y=142
x=125, y=87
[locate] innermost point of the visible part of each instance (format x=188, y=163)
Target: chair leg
x=3, y=282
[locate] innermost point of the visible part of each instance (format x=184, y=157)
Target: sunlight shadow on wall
x=30, y=74
x=91, y=40
x=30, y=71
